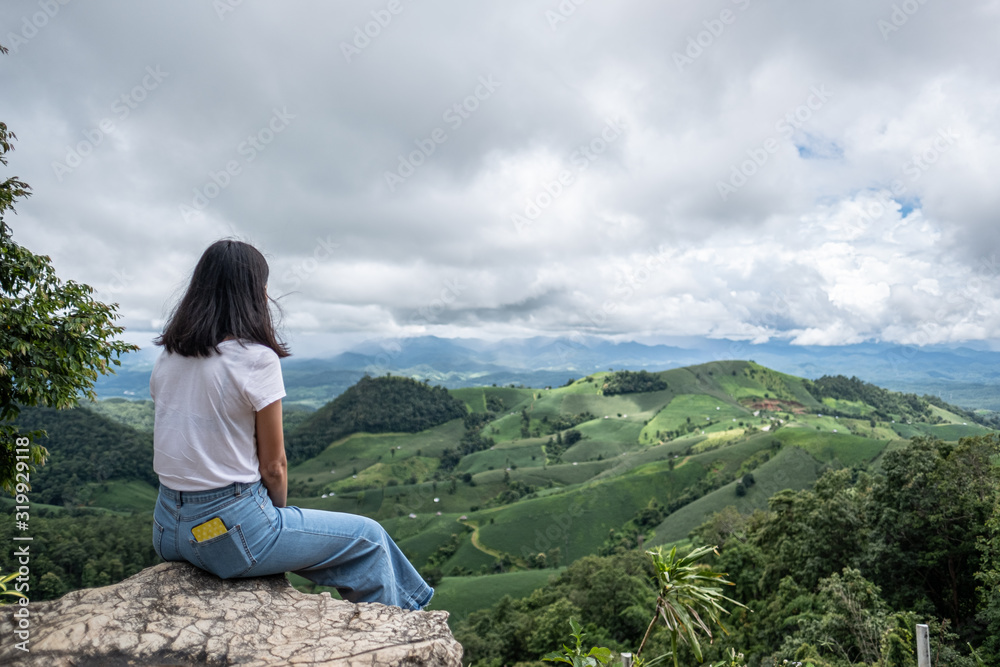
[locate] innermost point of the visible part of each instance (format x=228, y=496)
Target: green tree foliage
x=435, y=562
x=597, y=656
x=472, y=441
x=563, y=422
x=636, y=531
x=515, y=490
x=55, y=338
x=812, y=533
x=689, y=599
x=840, y=574
x=989, y=580
x=856, y=624
x=612, y=596
x=80, y=549
x=562, y=442
x=927, y=514
x=85, y=448
x=374, y=405
x=632, y=382
x=836, y=576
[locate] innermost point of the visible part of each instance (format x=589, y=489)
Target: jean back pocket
x=225, y=555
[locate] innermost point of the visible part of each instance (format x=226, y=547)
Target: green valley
x=493, y=491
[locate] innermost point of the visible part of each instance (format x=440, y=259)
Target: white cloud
x=868, y=211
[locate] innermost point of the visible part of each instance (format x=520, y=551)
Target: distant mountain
x=961, y=375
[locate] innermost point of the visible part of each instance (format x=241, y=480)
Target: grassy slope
x=461, y=596
x=790, y=469
x=578, y=519
x=123, y=496
x=602, y=481
x=350, y=455
x=828, y=447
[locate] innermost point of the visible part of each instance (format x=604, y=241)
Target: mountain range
x=965, y=376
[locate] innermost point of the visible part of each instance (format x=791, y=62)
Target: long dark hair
x=227, y=297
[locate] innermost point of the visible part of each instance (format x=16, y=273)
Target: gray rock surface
x=176, y=614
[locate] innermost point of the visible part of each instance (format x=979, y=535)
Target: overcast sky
x=816, y=172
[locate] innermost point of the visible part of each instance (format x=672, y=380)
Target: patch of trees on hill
x=472, y=440
x=563, y=422
x=888, y=404
x=85, y=447
x=374, y=405
x=554, y=447
x=636, y=531
x=632, y=382
x=514, y=490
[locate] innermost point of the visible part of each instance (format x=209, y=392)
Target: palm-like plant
x=3, y=587
x=689, y=598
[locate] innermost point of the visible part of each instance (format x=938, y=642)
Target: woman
x=220, y=454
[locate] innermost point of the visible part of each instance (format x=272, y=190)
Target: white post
x=626, y=659
x=923, y=647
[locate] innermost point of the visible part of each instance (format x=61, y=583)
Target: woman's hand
x=271, y=453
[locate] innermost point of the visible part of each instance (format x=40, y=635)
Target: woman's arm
x=271, y=453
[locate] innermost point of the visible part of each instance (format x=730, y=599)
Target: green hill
x=374, y=405
x=137, y=414
x=496, y=486
x=88, y=454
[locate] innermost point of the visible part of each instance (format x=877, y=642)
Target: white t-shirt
x=204, y=430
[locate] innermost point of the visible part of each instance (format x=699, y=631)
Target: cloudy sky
x=816, y=172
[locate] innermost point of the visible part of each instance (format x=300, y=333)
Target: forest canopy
x=837, y=575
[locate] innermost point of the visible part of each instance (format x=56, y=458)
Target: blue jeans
x=351, y=553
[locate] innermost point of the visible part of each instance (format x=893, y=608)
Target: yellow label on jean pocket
x=209, y=529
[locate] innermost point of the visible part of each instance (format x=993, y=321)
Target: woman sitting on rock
x=220, y=455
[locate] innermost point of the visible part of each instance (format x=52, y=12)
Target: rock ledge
x=176, y=614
